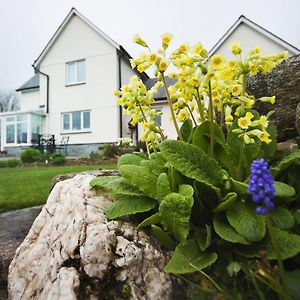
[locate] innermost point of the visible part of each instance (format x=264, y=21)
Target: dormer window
x=75, y=72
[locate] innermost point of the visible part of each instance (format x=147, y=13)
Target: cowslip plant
x=209, y=195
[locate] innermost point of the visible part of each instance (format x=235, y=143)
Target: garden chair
x=63, y=145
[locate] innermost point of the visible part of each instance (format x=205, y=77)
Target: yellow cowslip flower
x=217, y=61
x=268, y=99
x=248, y=140
x=235, y=49
x=245, y=122
x=146, y=125
x=194, y=81
x=228, y=116
x=236, y=89
x=231, y=64
x=264, y=136
x=166, y=39
x=135, y=120
x=253, y=70
x=163, y=65
x=183, y=115
x=263, y=121
x=152, y=57
x=138, y=40
x=227, y=74
x=250, y=103
x=184, y=48
x=200, y=50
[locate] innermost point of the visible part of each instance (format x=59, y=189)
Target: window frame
x=76, y=81
x=70, y=114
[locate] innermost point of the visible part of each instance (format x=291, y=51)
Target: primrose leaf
x=285, y=163
x=226, y=202
x=175, y=212
x=283, y=190
x=293, y=282
x=193, y=162
x=120, y=186
x=203, y=238
x=246, y=221
x=155, y=165
x=102, y=181
x=162, y=186
x=186, y=130
x=154, y=219
x=140, y=177
x=282, y=218
x=188, y=258
x=129, y=159
x=163, y=237
x=270, y=149
x=226, y=232
x=287, y=244
x=128, y=205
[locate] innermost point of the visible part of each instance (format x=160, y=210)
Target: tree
x=9, y=101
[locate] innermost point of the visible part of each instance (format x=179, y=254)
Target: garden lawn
x=30, y=186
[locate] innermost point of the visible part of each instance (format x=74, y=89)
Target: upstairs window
x=76, y=72
x=76, y=121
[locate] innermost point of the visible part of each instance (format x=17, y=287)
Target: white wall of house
x=79, y=41
x=249, y=38
x=30, y=100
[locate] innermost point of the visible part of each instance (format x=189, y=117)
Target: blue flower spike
x=261, y=186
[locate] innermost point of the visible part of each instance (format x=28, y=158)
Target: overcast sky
x=27, y=25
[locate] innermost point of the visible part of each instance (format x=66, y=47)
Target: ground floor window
x=76, y=121
x=22, y=128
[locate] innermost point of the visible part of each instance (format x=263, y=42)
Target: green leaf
x=203, y=238
x=128, y=205
x=154, y=219
x=186, y=130
x=186, y=190
x=188, y=258
x=163, y=237
x=293, y=282
x=226, y=232
x=193, y=162
x=246, y=222
x=175, y=211
x=102, y=181
x=162, y=186
x=140, y=177
x=238, y=186
x=283, y=190
x=285, y=163
x=287, y=244
x=155, y=165
x=120, y=186
x=226, y=202
x=282, y=218
x=129, y=159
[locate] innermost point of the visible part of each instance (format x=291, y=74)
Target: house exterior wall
x=249, y=38
x=79, y=41
x=30, y=100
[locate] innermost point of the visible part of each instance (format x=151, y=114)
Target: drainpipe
x=119, y=87
x=47, y=77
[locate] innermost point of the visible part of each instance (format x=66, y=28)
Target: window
x=158, y=117
x=76, y=121
x=76, y=72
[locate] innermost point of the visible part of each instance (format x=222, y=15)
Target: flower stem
x=279, y=260
x=240, y=162
x=211, y=120
x=191, y=113
x=171, y=107
x=200, y=107
x=243, y=93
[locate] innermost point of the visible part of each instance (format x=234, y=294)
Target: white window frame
x=71, y=130
x=76, y=81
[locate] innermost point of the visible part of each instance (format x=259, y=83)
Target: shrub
x=57, y=158
x=32, y=155
x=94, y=155
x=110, y=150
x=12, y=163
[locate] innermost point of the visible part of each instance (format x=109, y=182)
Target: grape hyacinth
x=261, y=186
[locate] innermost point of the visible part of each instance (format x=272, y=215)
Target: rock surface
x=14, y=226
x=73, y=252
x=284, y=83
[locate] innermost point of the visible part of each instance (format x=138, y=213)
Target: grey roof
x=161, y=93
x=32, y=83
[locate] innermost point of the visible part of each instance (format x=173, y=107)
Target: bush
x=32, y=155
x=12, y=163
x=110, y=150
x=94, y=155
x=57, y=158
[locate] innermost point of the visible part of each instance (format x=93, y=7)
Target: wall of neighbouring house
x=249, y=38
x=79, y=41
x=30, y=100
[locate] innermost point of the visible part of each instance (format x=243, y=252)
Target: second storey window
x=76, y=121
x=76, y=72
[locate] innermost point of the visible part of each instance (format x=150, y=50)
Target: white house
x=71, y=91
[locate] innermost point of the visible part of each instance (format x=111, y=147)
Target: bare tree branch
x=9, y=101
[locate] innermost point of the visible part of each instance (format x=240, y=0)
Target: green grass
x=30, y=186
